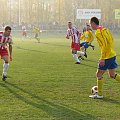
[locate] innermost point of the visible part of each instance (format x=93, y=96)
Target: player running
x=5, y=39
x=37, y=32
x=24, y=31
x=108, y=56
x=88, y=37
x=75, y=45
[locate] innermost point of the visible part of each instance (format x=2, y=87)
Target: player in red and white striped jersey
x=75, y=45
x=24, y=31
x=5, y=40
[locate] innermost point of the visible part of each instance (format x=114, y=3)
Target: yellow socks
x=117, y=77
x=100, y=86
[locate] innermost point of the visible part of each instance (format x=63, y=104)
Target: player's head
x=84, y=29
x=69, y=24
x=7, y=31
x=94, y=23
x=88, y=27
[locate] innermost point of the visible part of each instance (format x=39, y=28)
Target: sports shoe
x=4, y=77
x=96, y=96
x=77, y=63
x=93, y=47
x=81, y=58
x=85, y=55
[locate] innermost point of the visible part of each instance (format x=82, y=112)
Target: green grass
x=44, y=84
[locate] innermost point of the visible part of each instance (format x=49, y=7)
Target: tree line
x=53, y=11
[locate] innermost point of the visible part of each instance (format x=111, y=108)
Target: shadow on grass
x=88, y=60
x=111, y=100
x=91, y=66
x=26, y=49
x=54, y=44
x=58, y=111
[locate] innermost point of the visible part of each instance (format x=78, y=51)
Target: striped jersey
x=4, y=39
x=74, y=33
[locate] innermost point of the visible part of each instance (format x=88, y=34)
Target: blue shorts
x=109, y=64
x=85, y=44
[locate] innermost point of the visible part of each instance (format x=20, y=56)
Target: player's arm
x=10, y=51
x=3, y=44
x=91, y=36
x=10, y=48
x=108, y=42
x=82, y=37
x=68, y=35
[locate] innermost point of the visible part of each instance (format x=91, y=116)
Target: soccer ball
x=94, y=90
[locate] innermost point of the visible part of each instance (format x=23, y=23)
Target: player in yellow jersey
x=88, y=37
x=37, y=32
x=108, y=55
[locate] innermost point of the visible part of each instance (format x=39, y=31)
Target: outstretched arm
x=10, y=51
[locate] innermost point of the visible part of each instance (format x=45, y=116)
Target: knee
x=74, y=52
x=6, y=61
x=98, y=75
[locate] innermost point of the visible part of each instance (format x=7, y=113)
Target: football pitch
x=44, y=83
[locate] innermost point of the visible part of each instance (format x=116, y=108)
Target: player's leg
x=93, y=47
x=38, y=40
x=74, y=53
x=82, y=46
x=37, y=37
x=113, y=75
x=111, y=69
x=75, y=47
x=5, y=67
x=117, y=77
x=86, y=45
x=23, y=34
x=82, y=52
x=99, y=75
x=110, y=65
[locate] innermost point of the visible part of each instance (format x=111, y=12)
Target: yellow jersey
x=106, y=43
x=36, y=30
x=87, y=36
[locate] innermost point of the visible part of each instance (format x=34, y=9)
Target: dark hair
x=95, y=20
x=88, y=25
x=84, y=29
x=7, y=28
x=69, y=22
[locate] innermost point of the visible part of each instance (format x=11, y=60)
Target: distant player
x=24, y=31
x=5, y=39
x=75, y=45
x=37, y=32
x=108, y=56
x=88, y=37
